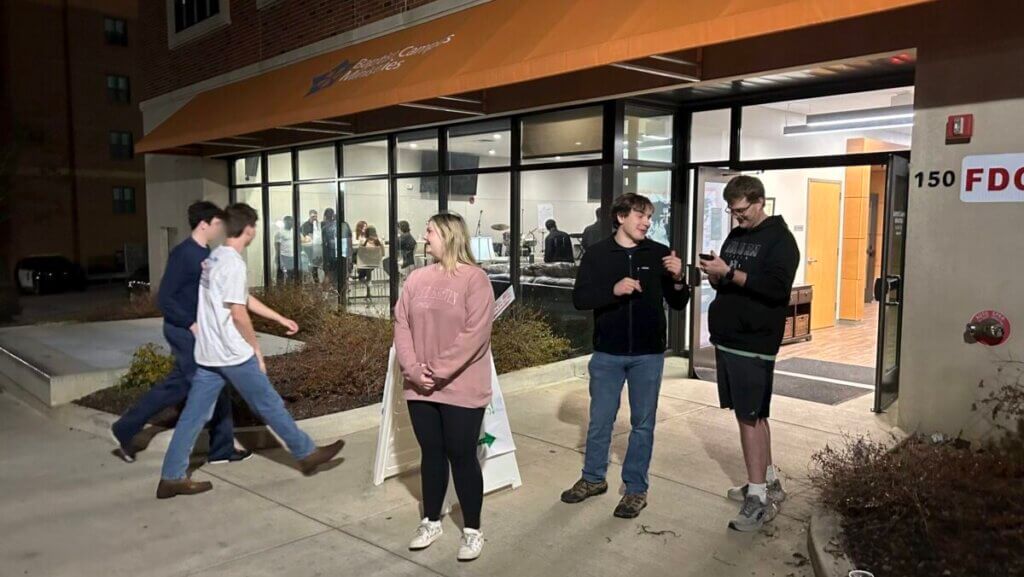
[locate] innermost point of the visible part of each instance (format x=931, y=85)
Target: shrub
x=523, y=338
x=343, y=365
x=308, y=305
x=149, y=366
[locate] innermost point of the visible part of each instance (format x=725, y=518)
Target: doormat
x=810, y=389
x=829, y=370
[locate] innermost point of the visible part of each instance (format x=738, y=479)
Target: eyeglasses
x=739, y=210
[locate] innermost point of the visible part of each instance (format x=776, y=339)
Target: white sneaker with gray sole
x=776, y=494
x=428, y=532
x=754, y=514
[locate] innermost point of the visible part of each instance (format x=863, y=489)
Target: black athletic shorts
x=745, y=384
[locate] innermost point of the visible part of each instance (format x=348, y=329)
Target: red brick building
x=69, y=118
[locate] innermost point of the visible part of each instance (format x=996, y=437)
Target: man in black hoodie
x=753, y=277
x=626, y=279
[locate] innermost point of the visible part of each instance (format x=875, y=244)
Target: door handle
x=812, y=260
x=885, y=287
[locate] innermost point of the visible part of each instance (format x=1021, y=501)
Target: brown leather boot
x=173, y=487
x=321, y=455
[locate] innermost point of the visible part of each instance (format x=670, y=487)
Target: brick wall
x=253, y=35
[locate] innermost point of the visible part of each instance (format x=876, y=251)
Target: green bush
x=149, y=366
x=523, y=338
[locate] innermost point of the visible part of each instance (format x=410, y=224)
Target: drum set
x=527, y=240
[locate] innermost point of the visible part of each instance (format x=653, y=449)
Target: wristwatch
x=730, y=274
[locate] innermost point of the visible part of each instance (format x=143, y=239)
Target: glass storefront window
x=366, y=215
x=417, y=202
x=282, y=235
x=279, y=166
x=647, y=135
x=875, y=121
x=318, y=241
x=365, y=158
x=479, y=145
x=317, y=163
x=253, y=254
x=709, y=135
x=655, y=184
x=416, y=151
x=557, y=206
x=247, y=170
x=485, y=202
x=563, y=136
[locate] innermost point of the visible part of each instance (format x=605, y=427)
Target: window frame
x=114, y=38
x=124, y=200
x=117, y=148
x=116, y=94
x=176, y=38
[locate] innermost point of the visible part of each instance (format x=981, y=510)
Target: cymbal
x=500, y=227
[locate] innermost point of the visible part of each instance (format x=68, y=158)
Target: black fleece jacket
x=752, y=317
x=634, y=324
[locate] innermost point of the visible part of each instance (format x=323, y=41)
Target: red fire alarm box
x=959, y=128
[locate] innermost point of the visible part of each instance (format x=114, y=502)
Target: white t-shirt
x=223, y=283
x=286, y=238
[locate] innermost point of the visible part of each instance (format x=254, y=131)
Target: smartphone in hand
x=705, y=256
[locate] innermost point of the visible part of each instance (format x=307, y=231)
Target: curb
x=824, y=543
x=324, y=427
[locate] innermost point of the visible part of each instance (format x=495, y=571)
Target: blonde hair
x=453, y=231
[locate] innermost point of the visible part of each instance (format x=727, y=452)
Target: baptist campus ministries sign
x=369, y=66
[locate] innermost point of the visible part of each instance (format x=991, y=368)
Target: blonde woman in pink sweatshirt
x=443, y=342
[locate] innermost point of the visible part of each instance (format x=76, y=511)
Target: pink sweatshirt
x=444, y=321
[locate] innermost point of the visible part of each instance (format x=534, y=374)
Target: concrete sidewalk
x=68, y=508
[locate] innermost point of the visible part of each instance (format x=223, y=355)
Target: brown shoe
x=321, y=455
x=583, y=490
x=173, y=487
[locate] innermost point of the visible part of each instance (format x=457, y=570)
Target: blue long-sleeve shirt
x=179, y=290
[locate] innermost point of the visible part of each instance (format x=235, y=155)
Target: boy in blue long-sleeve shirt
x=178, y=299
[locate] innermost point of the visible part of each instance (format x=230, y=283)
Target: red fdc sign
x=992, y=178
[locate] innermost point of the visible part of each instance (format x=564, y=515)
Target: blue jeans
x=607, y=375
x=173, y=391
x=255, y=388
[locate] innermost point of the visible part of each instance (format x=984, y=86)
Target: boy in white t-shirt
x=227, y=350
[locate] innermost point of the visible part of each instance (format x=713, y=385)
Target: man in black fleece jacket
x=626, y=279
x=753, y=277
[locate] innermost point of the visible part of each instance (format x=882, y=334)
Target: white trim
x=826, y=380
x=394, y=23
x=176, y=39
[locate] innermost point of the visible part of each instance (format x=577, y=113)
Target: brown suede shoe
x=173, y=487
x=321, y=455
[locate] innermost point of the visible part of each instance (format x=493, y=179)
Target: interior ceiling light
x=867, y=119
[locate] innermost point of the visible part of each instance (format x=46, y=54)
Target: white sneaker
x=428, y=532
x=472, y=544
x=776, y=494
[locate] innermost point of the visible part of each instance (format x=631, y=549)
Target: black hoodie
x=752, y=318
x=634, y=324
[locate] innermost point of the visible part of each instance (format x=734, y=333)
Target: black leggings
x=449, y=434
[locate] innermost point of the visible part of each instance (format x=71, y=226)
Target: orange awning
x=498, y=43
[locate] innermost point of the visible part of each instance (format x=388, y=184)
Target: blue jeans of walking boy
x=255, y=388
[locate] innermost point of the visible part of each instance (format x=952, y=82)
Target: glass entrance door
x=711, y=225
x=889, y=286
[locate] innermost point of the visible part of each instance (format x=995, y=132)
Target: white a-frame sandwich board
x=397, y=450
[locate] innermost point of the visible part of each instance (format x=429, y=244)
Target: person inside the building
x=558, y=244
x=442, y=340
x=752, y=278
x=592, y=234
